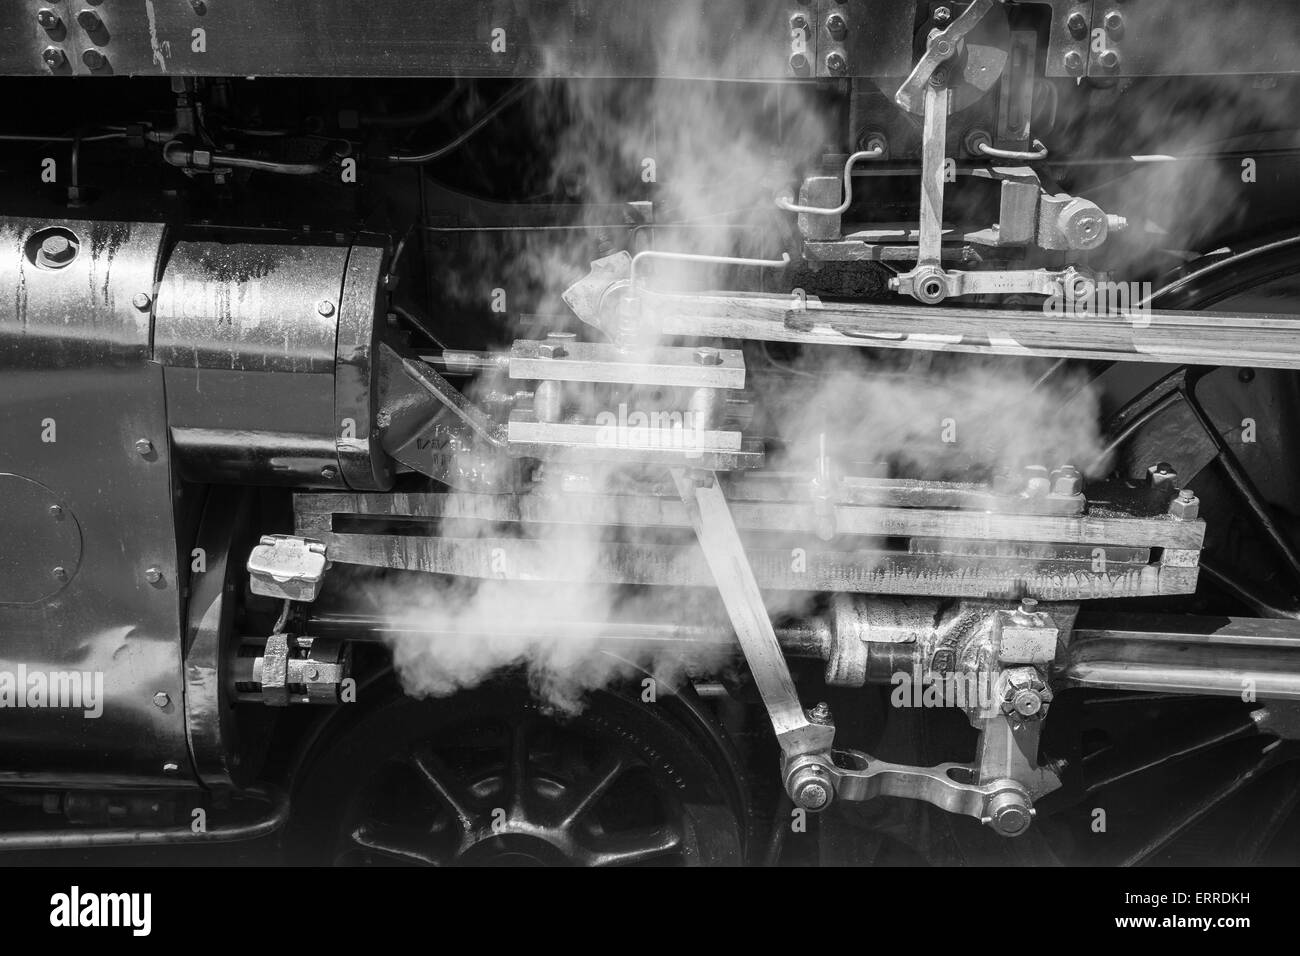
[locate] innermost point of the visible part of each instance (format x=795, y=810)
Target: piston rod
x=1187, y=655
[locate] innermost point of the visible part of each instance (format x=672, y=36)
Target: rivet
x=56, y=511
x=170, y=767
x=153, y=575
x=93, y=59
x=60, y=573
x=325, y=307
x=145, y=447
x=161, y=699
x=142, y=301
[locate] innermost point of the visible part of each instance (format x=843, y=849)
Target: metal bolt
x=142, y=301
x=1037, y=481
x=90, y=21
x=707, y=356
x=798, y=64
x=821, y=714
x=48, y=19
x=942, y=15
x=60, y=573
x=53, y=57
x=837, y=26
x=1066, y=480
x=810, y=789
x=1074, y=61
x=57, y=250
x=1028, y=605
x=145, y=447
x=813, y=795
x=325, y=307
x=161, y=699
x=1077, y=24
x=56, y=512
x=311, y=673
x=1186, y=506
x=835, y=63
x=799, y=22
x=328, y=473
x=1114, y=23
x=1026, y=703
x=1009, y=813
x=93, y=59
x=1109, y=59
x=199, y=7
x=153, y=575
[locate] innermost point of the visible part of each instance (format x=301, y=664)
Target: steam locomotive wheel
x=486, y=778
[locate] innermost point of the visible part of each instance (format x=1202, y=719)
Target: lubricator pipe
x=86, y=838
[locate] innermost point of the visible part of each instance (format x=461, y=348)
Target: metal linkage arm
x=805, y=745
x=998, y=789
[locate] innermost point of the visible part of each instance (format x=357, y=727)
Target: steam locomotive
x=651, y=433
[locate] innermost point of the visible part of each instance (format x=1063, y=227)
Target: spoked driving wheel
x=487, y=778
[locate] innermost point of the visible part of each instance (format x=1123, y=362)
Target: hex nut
x=1186, y=506
x=1066, y=480
x=1037, y=481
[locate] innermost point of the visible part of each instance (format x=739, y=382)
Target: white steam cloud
x=705, y=151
